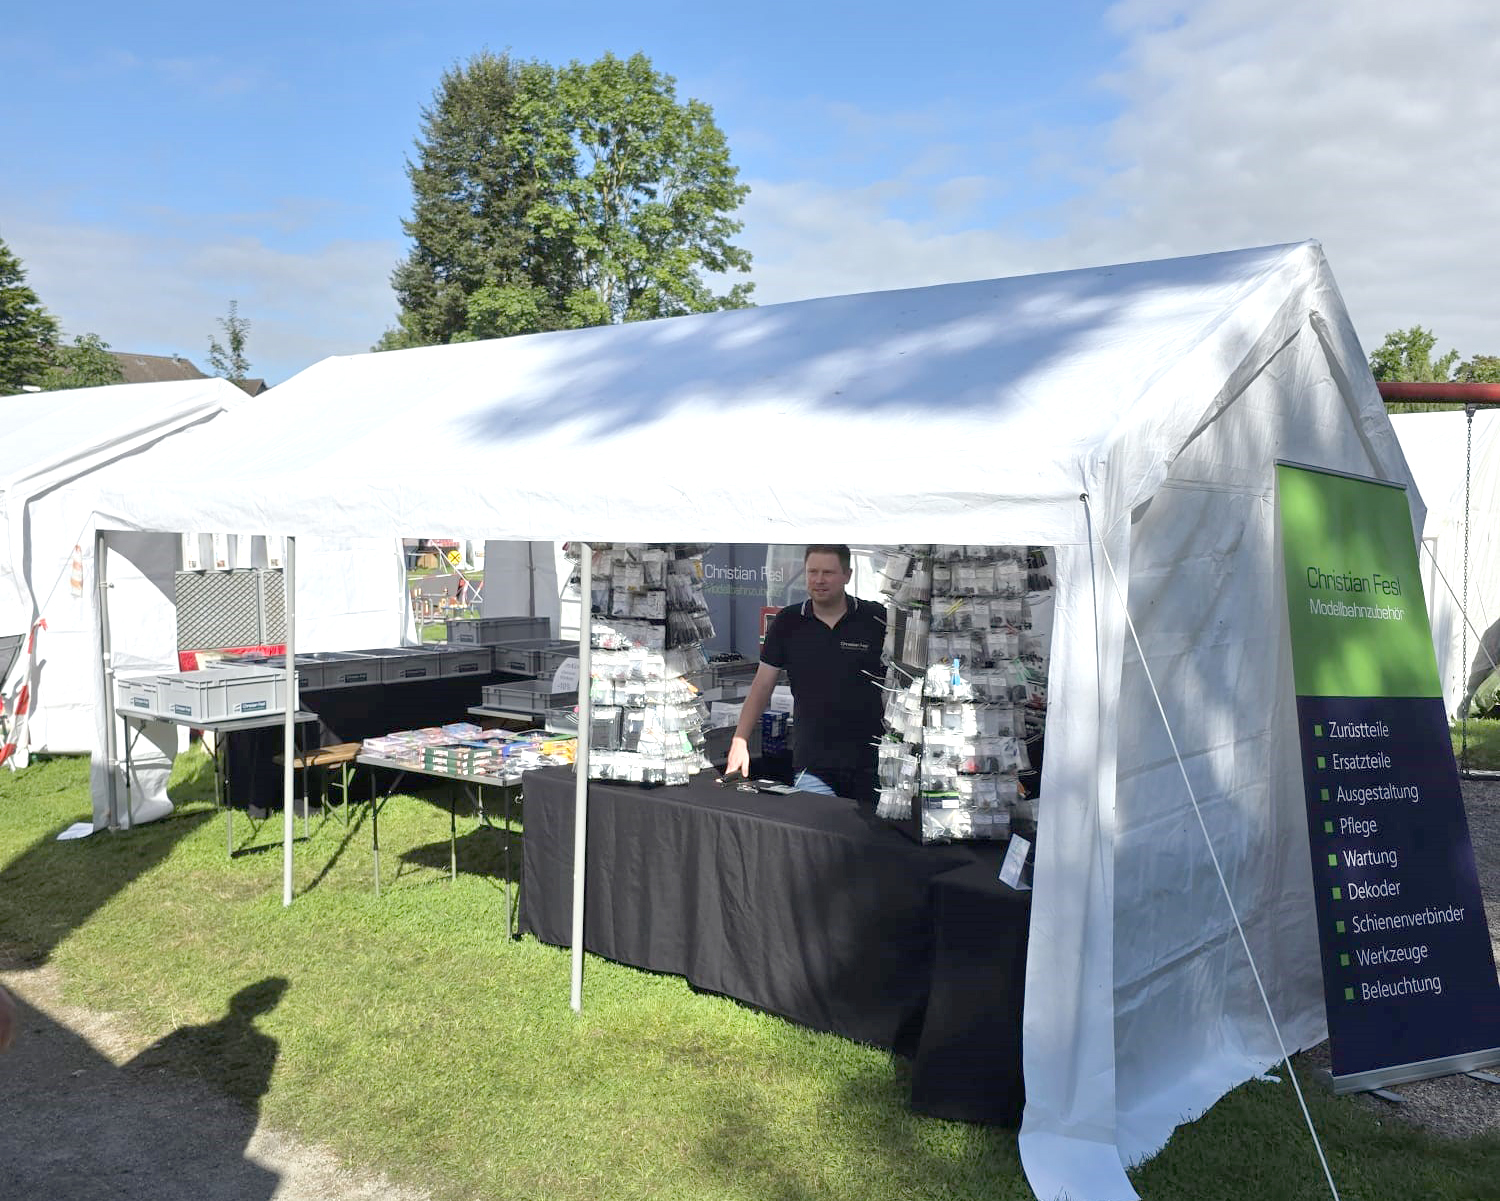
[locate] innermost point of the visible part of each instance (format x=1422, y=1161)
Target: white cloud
x=1362, y=123
x=162, y=293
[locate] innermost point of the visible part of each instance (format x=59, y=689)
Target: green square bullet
x=1327, y=827
x=1322, y=763
x=1322, y=794
x=1348, y=994
x=1317, y=731
x=1343, y=961
x=1333, y=861
x=1338, y=927
x=1338, y=894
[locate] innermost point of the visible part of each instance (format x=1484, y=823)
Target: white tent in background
x=984, y=413
x=1451, y=475
x=352, y=591
x=50, y=439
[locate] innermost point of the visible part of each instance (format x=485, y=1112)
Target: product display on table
x=650, y=620
x=967, y=637
x=463, y=749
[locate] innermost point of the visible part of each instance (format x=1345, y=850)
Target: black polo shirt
x=835, y=674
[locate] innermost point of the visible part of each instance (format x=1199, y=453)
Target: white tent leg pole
x=581, y=765
x=107, y=667
x=289, y=725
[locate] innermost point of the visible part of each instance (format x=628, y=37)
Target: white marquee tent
x=1451, y=475
x=352, y=593
x=48, y=440
x=983, y=412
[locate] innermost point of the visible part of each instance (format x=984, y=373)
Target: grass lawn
x=1483, y=737
x=415, y=1037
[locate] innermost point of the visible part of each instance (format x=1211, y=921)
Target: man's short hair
x=841, y=551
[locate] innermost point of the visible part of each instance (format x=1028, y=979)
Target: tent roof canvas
x=868, y=418
x=52, y=435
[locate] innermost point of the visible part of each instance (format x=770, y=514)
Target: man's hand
x=739, y=757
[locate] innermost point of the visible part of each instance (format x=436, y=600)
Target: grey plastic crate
x=339, y=669
x=404, y=665
x=141, y=694
x=533, y=656
x=734, y=671
x=527, y=696
x=486, y=631
x=224, y=692
x=465, y=660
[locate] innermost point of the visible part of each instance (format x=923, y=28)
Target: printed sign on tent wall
x=1408, y=970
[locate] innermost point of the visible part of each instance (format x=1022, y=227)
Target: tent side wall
x=1206, y=599
x=1435, y=445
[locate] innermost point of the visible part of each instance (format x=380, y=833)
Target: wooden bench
x=325, y=759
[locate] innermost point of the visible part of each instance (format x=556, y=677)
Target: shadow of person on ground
x=230, y=1055
x=75, y=1126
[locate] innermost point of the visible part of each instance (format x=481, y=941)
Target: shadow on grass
x=872, y=1126
x=75, y=1126
x=353, y=824
x=480, y=853
x=52, y=888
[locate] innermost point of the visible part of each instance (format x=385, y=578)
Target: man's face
x=825, y=577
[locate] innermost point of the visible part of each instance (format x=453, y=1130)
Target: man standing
x=829, y=646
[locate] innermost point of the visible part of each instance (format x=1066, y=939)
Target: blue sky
x=161, y=159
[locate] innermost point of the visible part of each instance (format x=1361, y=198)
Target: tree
x=28, y=333
x=85, y=364
x=1481, y=369
x=1406, y=355
x=230, y=361
x=548, y=199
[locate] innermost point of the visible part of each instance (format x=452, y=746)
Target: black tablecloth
x=801, y=905
x=968, y=1064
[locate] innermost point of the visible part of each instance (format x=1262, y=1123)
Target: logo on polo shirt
x=854, y=646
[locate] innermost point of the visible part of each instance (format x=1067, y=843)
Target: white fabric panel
x=1436, y=447
x=522, y=579
x=1207, y=598
x=1068, y=1136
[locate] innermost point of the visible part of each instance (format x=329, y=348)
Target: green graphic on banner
x=1354, y=596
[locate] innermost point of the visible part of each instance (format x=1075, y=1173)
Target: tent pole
x=107, y=670
x=581, y=762
x=289, y=723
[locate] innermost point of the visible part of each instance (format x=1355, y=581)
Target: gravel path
x=86, y=1114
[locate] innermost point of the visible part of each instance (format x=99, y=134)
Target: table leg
x=509, y=907
x=221, y=793
x=452, y=835
x=128, y=806
x=375, y=830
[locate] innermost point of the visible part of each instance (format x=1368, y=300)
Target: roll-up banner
x=1408, y=970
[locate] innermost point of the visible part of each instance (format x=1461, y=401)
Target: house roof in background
x=160, y=368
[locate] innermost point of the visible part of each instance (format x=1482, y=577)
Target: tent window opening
x=968, y=642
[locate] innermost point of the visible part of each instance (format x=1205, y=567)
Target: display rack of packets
x=650, y=621
x=967, y=639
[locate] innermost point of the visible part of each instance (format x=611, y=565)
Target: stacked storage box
x=219, y=693
x=967, y=643
x=650, y=623
x=487, y=631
